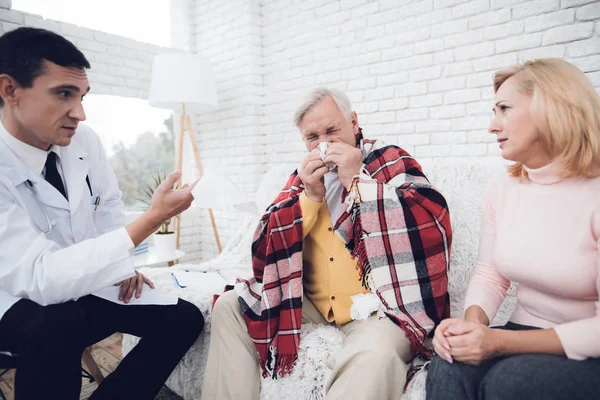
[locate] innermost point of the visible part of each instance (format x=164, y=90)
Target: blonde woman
x=540, y=229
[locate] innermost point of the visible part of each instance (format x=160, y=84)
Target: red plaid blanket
x=396, y=225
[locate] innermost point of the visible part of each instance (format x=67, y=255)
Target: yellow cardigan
x=330, y=275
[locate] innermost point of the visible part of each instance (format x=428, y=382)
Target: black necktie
x=52, y=175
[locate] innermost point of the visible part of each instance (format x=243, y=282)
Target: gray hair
x=315, y=96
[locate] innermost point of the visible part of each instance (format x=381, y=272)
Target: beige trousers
x=372, y=363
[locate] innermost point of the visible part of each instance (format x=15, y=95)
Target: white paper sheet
x=205, y=282
x=149, y=297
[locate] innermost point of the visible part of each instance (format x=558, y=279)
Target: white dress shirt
x=333, y=195
x=32, y=157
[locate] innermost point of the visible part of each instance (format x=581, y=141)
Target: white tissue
x=363, y=305
x=322, y=148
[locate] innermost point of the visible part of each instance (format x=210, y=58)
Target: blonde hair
x=566, y=110
x=315, y=96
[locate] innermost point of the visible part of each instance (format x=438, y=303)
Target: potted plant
x=165, y=241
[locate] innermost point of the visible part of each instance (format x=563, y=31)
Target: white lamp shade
x=182, y=78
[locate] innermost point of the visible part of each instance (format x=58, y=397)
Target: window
x=138, y=139
x=140, y=20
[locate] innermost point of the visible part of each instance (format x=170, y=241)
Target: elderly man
x=359, y=219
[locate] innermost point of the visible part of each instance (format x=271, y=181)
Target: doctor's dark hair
x=23, y=51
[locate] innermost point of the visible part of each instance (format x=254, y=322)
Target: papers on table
x=149, y=296
x=206, y=282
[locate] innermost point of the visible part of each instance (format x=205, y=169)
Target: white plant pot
x=164, y=244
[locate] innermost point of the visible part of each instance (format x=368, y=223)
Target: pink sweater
x=544, y=234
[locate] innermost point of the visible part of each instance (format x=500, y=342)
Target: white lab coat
x=88, y=248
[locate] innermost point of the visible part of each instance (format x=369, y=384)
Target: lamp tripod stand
x=185, y=124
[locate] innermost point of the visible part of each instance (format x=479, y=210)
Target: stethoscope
x=41, y=206
x=34, y=193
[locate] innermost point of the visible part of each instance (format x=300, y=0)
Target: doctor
x=62, y=235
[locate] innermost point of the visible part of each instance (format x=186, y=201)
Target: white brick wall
x=230, y=138
x=419, y=73
x=120, y=66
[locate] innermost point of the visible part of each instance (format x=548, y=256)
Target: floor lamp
x=184, y=82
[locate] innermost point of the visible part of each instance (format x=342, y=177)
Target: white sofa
x=462, y=182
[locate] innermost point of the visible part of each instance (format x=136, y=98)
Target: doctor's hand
x=133, y=285
x=167, y=202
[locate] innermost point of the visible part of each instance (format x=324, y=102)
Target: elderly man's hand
x=311, y=172
x=131, y=285
x=348, y=160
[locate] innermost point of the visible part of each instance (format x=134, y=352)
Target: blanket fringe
x=419, y=364
x=284, y=365
x=277, y=365
x=359, y=251
x=363, y=266
x=416, y=344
